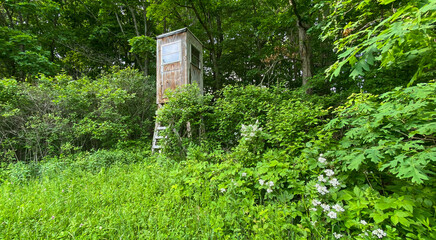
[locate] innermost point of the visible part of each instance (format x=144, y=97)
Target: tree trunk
x=146, y=59
x=134, y=20
x=216, y=70
x=305, y=55
x=304, y=45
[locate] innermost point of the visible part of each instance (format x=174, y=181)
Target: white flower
x=321, y=159
x=244, y=174
x=313, y=222
x=313, y=209
x=271, y=183
x=222, y=190
x=379, y=233
x=332, y=214
x=243, y=128
x=315, y=202
x=321, y=178
x=321, y=189
x=261, y=182
x=338, y=208
x=249, y=131
x=334, y=182
x=329, y=172
x=326, y=207
x=269, y=190
x=337, y=235
x=363, y=222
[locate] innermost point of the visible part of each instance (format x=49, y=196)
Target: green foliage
x=21, y=56
x=238, y=112
x=56, y=114
x=184, y=115
x=293, y=123
x=118, y=202
x=143, y=45
x=242, y=105
x=273, y=184
x=404, y=39
x=272, y=170
x=384, y=147
x=245, y=163
x=393, y=132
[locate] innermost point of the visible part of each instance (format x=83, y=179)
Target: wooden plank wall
x=195, y=74
x=170, y=75
x=176, y=74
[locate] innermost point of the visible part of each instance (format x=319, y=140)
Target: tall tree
x=303, y=43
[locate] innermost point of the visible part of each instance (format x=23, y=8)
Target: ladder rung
x=156, y=136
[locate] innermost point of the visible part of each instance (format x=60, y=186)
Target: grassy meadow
x=134, y=201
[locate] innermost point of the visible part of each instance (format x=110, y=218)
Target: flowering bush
x=340, y=179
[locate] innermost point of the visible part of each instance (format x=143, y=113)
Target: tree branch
x=299, y=19
x=134, y=20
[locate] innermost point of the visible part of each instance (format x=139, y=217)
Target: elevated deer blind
x=179, y=61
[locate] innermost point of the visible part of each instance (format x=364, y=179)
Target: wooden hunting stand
x=179, y=61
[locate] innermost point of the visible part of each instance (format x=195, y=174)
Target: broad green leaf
x=379, y=216
x=385, y=2
x=356, y=161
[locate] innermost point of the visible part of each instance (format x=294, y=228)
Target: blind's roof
x=172, y=33
x=176, y=32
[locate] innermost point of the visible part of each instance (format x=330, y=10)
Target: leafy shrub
x=293, y=123
x=393, y=134
x=385, y=150
x=185, y=116
x=220, y=123
x=274, y=170
x=39, y=119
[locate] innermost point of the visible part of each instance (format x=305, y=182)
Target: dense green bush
x=220, y=123
x=52, y=115
x=386, y=150
x=372, y=181
x=186, y=115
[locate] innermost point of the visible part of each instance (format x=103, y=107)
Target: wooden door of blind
x=171, y=67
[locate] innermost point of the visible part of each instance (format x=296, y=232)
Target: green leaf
x=394, y=219
x=385, y=2
x=356, y=161
x=379, y=216
x=401, y=217
x=374, y=155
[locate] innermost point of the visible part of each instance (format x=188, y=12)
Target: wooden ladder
x=157, y=136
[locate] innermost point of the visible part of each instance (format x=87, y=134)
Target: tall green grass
x=115, y=195
x=135, y=201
